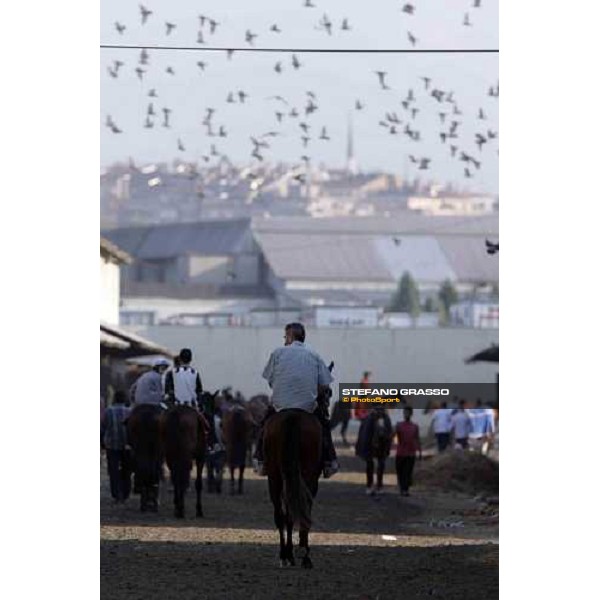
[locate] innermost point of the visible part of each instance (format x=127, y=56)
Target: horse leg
x=210, y=477
x=231, y=480
x=199, y=465
x=306, y=561
x=275, y=490
x=241, y=480
x=178, y=491
x=289, y=547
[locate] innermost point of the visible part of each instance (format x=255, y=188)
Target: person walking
x=408, y=446
x=118, y=455
x=442, y=424
x=461, y=426
x=361, y=412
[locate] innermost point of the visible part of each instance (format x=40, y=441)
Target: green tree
x=406, y=296
x=447, y=295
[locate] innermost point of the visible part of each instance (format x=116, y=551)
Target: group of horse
x=292, y=442
x=177, y=437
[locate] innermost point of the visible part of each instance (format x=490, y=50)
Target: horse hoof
x=307, y=563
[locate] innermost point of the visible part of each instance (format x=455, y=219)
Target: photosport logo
x=416, y=395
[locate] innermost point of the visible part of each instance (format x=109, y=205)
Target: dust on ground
x=439, y=542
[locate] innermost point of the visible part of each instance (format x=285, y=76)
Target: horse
x=292, y=443
x=184, y=442
x=215, y=461
x=236, y=435
x=143, y=434
x=340, y=416
x=374, y=443
x=257, y=408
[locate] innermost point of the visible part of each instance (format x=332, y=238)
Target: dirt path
x=436, y=544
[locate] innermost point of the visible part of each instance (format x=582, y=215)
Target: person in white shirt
x=442, y=424
x=461, y=426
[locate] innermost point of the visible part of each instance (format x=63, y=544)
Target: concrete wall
x=236, y=356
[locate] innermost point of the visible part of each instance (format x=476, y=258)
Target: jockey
x=299, y=379
x=148, y=388
x=184, y=386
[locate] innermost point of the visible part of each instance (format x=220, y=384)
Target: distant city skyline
x=337, y=81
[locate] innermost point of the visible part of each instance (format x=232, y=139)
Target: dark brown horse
x=184, y=442
x=373, y=444
x=236, y=435
x=143, y=434
x=257, y=408
x=292, y=445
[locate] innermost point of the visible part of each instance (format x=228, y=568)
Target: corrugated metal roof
x=208, y=238
x=407, y=222
x=421, y=256
x=469, y=259
x=322, y=257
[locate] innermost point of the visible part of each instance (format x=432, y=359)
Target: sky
x=337, y=80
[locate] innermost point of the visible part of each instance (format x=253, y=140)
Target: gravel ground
x=437, y=544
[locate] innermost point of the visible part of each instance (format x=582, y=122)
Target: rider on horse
x=299, y=379
x=148, y=388
x=183, y=386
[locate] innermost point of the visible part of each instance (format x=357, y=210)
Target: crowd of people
x=299, y=380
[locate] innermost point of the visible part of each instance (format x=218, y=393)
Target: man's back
x=442, y=420
x=148, y=388
x=115, y=434
x=461, y=424
x=294, y=373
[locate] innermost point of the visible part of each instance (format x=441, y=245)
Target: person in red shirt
x=409, y=443
x=361, y=412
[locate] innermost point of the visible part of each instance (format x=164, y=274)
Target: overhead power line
x=309, y=50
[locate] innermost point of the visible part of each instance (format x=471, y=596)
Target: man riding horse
x=299, y=379
x=183, y=386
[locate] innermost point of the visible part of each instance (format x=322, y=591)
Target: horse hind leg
x=231, y=480
x=289, y=546
x=306, y=561
x=199, y=511
x=241, y=481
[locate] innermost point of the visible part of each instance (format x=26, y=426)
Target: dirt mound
x=460, y=471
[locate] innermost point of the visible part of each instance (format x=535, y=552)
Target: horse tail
x=178, y=462
x=296, y=493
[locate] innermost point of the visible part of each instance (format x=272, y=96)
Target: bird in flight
x=381, y=75
x=170, y=70
x=480, y=140
x=200, y=38
x=180, y=145
x=166, y=115
x=275, y=28
x=148, y=124
x=250, y=37
x=278, y=68
x=201, y=65
x=426, y=81
x=213, y=25
x=325, y=24
x=466, y=21
x=424, y=163
x=358, y=105
x=144, y=57
x=324, y=135
x=170, y=27
x=140, y=73
x=145, y=12
x=411, y=38
x=345, y=25
x=295, y=62
x=152, y=93
x=309, y=4
x=409, y=9
x=481, y=115
x=397, y=241
x=120, y=27
x=491, y=248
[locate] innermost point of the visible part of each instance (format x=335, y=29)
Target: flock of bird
x=423, y=98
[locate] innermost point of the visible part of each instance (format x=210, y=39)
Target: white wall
x=236, y=356
x=109, y=292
